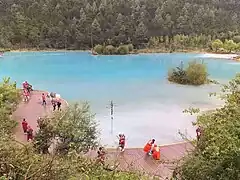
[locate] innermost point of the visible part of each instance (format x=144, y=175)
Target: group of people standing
x=55, y=101
x=151, y=148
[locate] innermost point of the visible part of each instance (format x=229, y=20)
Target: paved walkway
x=31, y=111
x=135, y=159
x=131, y=159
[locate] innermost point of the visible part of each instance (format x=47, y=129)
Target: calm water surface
x=146, y=104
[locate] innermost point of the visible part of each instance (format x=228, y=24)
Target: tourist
x=44, y=103
x=59, y=104
x=29, y=133
x=54, y=104
x=122, y=142
x=26, y=95
x=198, y=132
x=51, y=95
x=24, y=125
x=148, y=148
x=25, y=85
x=101, y=155
x=29, y=88
x=156, y=152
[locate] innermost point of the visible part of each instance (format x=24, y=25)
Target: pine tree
x=141, y=32
x=82, y=18
x=95, y=31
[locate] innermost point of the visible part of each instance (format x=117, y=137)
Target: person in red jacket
x=29, y=133
x=44, y=103
x=122, y=142
x=24, y=125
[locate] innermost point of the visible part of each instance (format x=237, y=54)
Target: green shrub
x=236, y=39
x=216, y=154
x=123, y=49
x=194, y=74
x=109, y=50
x=130, y=47
x=177, y=75
x=216, y=45
x=98, y=49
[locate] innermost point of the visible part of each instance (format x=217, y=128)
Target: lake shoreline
x=209, y=54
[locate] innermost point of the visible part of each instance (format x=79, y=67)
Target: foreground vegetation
x=217, y=153
x=71, y=24
x=194, y=74
x=76, y=132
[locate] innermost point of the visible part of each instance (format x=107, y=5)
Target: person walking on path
x=54, y=104
x=44, y=103
x=24, y=125
x=29, y=133
x=59, y=104
x=26, y=95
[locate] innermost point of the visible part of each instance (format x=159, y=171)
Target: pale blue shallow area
x=146, y=104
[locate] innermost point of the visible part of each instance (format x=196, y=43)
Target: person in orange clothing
x=149, y=147
x=156, y=152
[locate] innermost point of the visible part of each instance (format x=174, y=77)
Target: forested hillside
x=71, y=23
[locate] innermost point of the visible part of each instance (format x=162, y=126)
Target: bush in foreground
x=217, y=153
x=194, y=74
x=75, y=129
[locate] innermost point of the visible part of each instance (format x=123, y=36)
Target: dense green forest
x=70, y=24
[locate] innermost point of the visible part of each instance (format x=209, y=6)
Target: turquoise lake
x=147, y=105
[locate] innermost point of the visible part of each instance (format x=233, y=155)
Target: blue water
x=146, y=104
